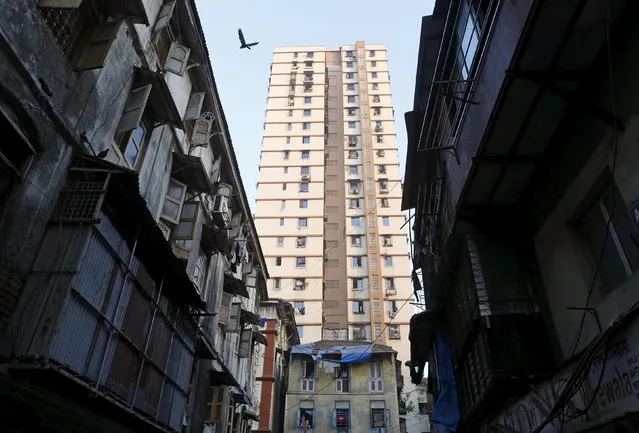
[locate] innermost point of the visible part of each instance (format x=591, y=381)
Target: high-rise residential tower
x=328, y=201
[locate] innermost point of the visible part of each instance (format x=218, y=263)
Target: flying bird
x=243, y=42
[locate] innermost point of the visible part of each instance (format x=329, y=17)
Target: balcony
x=115, y=303
x=492, y=316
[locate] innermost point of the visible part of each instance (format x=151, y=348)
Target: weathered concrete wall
x=62, y=105
x=359, y=398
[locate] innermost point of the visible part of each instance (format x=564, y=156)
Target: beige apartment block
x=329, y=192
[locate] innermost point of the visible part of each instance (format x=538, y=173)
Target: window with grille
x=331, y=284
x=359, y=332
x=342, y=381
x=393, y=332
x=378, y=330
x=330, y=304
x=377, y=307
x=375, y=283
x=307, y=376
x=376, y=383
x=369, y=184
x=215, y=404
x=342, y=416
x=371, y=221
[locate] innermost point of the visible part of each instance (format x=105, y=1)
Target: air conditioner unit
x=388, y=243
x=221, y=214
x=380, y=153
x=391, y=291
x=392, y=314
x=305, y=178
x=354, y=191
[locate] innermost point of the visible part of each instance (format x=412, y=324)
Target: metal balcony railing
x=461, y=52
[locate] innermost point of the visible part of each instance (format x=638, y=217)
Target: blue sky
x=242, y=75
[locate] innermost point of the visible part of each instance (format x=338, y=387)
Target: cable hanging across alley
x=598, y=347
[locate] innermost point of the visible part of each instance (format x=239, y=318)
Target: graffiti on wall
x=617, y=395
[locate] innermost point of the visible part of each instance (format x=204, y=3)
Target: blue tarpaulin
x=349, y=354
x=446, y=411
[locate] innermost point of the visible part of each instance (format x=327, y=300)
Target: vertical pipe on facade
x=146, y=344
x=117, y=308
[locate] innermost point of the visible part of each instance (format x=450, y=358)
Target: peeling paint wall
x=325, y=396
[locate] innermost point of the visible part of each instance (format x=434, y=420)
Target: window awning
x=131, y=216
x=190, y=170
x=160, y=99
x=259, y=337
x=240, y=397
x=235, y=286
x=203, y=346
x=214, y=239
x=133, y=9
x=250, y=415
x=219, y=377
x=250, y=317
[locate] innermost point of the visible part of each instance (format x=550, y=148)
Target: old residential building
x=342, y=386
x=523, y=174
x=278, y=324
x=130, y=270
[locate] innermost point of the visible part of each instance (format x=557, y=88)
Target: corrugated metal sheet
x=104, y=322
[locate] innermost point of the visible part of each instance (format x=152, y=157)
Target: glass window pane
x=175, y=190
x=131, y=152
x=170, y=209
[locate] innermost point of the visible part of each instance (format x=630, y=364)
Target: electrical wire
x=600, y=343
x=615, y=147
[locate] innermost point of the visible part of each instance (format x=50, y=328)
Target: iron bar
x=118, y=304
x=148, y=339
